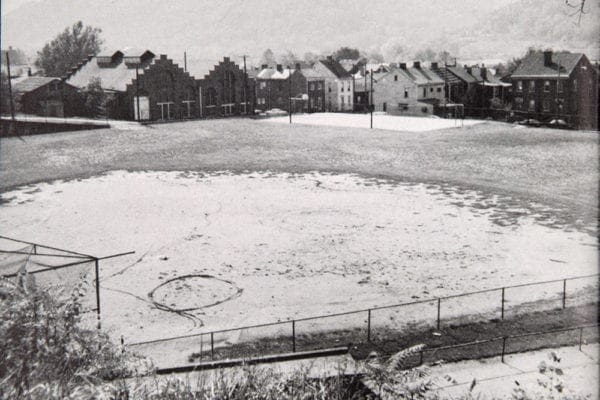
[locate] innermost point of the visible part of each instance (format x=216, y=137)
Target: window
x=320, y=86
x=439, y=90
x=546, y=86
x=406, y=93
x=574, y=85
x=211, y=97
x=312, y=86
x=546, y=105
x=396, y=78
x=518, y=103
x=519, y=86
x=349, y=100
x=263, y=85
x=531, y=86
x=424, y=92
x=329, y=89
x=430, y=90
x=342, y=87
x=561, y=85
x=531, y=105
x=189, y=101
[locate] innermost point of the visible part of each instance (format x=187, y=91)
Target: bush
x=47, y=352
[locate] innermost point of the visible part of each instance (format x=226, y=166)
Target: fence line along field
x=241, y=222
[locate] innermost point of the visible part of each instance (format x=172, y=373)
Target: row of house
x=140, y=85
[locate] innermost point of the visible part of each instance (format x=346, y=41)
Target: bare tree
x=578, y=6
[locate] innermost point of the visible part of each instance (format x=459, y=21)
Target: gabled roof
x=462, y=74
x=447, y=76
x=272, y=73
x=32, y=83
x=113, y=76
x=335, y=68
x=533, y=65
x=489, y=80
x=421, y=76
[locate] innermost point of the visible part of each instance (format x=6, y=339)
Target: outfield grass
x=554, y=168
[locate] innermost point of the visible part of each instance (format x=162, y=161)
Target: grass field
x=270, y=221
x=556, y=168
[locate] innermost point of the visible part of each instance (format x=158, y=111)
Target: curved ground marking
x=236, y=292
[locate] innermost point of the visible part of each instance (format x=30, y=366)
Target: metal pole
x=212, y=345
x=371, y=98
x=369, y=326
x=137, y=91
x=438, y=312
x=245, y=87
x=185, y=61
x=293, y=336
x=564, y=297
x=502, y=315
x=503, y=348
x=98, y=313
x=290, y=95
x=10, y=95
x=580, y=337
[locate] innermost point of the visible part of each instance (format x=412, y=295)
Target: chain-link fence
x=372, y=325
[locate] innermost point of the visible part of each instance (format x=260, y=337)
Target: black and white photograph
x=313, y=199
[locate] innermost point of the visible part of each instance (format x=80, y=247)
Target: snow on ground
x=296, y=245
x=496, y=379
x=380, y=121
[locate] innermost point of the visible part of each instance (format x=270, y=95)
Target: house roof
x=447, y=76
x=272, y=73
x=335, y=67
x=32, y=83
x=311, y=73
x=421, y=76
x=462, y=74
x=115, y=76
x=489, y=80
x=533, y=65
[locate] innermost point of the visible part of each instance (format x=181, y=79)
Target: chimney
x=402, y=65
x=329, y=58
x=279, y=67
x=469, y=70
x=264, y=66
x=547, y=58
x=434, y=65
x=298, y=67
x=484, y=73
x=417, y=64
x=29, y=71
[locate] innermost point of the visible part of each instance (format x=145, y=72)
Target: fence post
x=293, y=336
x=369, y=325
x=212, y=346
x=564, y=299
x=580, y=337
x=438, y=313
x=503, y=348
x=98, y=312
x=502, y=312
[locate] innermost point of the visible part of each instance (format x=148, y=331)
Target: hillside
x=209, y=30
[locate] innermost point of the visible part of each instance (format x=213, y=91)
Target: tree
x=346, y=53
x=445, y=57
x=268, y=58
x=288, y=59
x=425, y=55
x=68, y=49
x=95, y=98
x=393, y=51
x=310, y=58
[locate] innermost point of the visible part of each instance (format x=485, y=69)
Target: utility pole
x=446, y=87
x=365, y=74
x=137, y=90
x=185, y=61
x=10, y=95
x=245, y=87
x=290, y=94
x=371, y=97
x=557, y=86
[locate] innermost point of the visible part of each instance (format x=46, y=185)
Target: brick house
x=226, y=90
x=47, y=96
x=556, y=85
x=315, y=85
x=162, y=89
x=281, y=87
x=338, y=85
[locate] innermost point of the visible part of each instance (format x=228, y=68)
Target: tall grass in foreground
x=47, y=353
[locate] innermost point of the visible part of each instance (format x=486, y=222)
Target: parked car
x=559, y=124
x=530, y=122
x=275, y=112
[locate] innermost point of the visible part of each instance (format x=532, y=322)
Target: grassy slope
x=557, y=168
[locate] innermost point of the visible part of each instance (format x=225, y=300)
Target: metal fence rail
x=368, y=324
